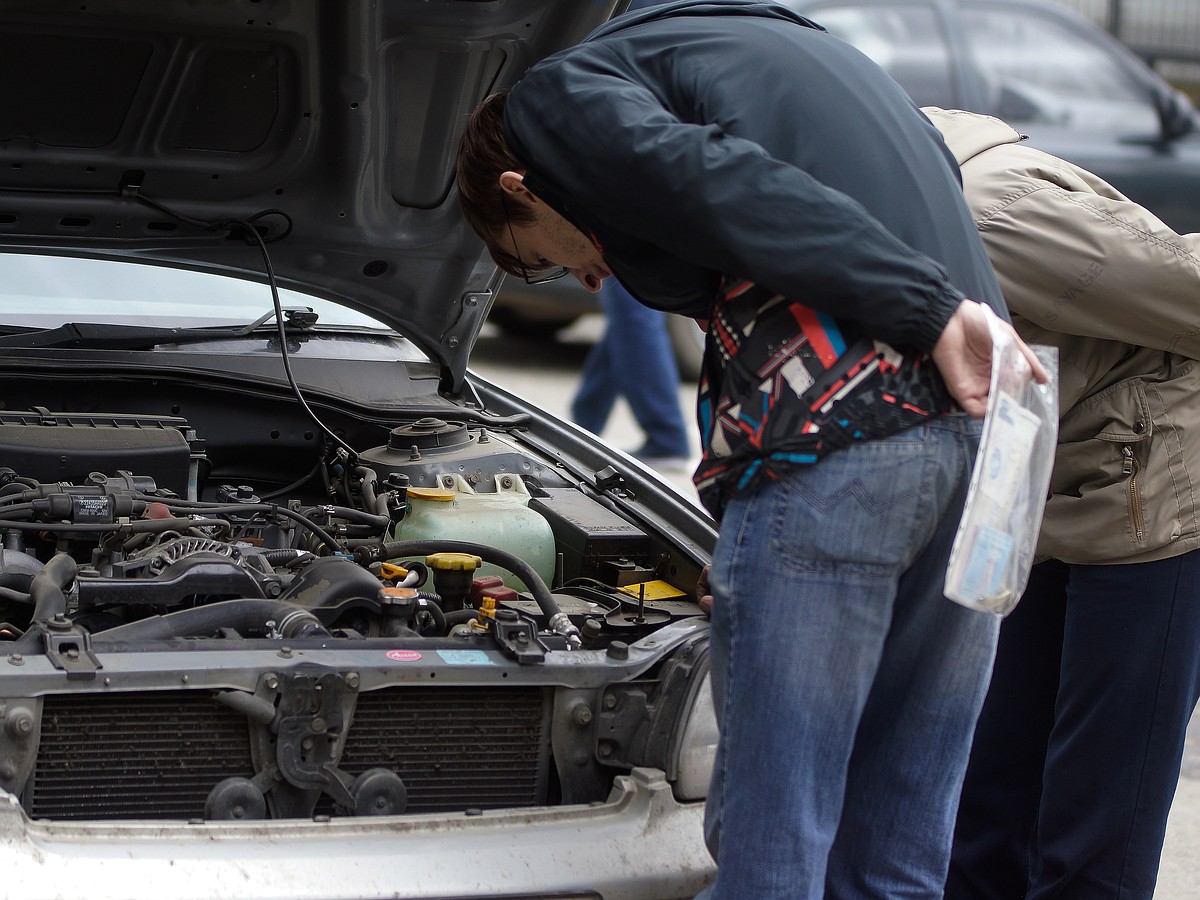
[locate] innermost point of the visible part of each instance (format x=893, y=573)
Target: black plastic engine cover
x=54, y=447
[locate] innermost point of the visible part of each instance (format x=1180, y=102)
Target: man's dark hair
x=482, y=155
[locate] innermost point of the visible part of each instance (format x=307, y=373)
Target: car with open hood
x=292, y=603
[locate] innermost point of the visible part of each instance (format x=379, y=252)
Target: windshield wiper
x=100, y=336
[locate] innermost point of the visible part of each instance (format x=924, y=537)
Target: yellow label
x=655, y=590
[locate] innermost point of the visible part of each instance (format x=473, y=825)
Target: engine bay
x=219, y=615
x=447, y=530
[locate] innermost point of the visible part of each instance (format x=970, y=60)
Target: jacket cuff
x=934, y=318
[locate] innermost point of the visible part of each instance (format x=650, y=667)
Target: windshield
x=48, y=291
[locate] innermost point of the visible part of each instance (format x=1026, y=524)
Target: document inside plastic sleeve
x=997, y=536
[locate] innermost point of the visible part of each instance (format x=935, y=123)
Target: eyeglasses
x=542, y=274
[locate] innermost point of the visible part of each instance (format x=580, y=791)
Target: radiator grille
x=157, y=755
x=141, y=755
x=456, y=748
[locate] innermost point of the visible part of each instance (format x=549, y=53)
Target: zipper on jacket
x=1130, y=469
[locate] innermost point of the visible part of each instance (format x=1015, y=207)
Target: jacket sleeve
x=720, y=202
x=1074, y=255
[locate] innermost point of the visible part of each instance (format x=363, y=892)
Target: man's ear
x=513, y=184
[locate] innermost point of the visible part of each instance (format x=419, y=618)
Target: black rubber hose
x=11, y=595
x=46, y=588
x=293, y=621
x=430, y=604
x=371, y=499
x=460, y=616
x=360, y=517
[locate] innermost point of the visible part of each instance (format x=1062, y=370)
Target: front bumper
x=641, y=844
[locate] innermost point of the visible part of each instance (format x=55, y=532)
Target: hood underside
x=137, y=129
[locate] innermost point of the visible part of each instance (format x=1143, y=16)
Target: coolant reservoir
x=500, y=519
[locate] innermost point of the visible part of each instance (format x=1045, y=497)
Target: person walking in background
x=1078, y=749
x=634, y=360
x=732, y=162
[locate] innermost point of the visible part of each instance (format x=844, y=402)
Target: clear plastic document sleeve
x=994, y=547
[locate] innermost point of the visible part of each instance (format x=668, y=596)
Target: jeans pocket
x=868, y=508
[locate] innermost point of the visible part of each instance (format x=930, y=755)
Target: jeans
x=633, y=360
x=846, y=685
x=1078, y=749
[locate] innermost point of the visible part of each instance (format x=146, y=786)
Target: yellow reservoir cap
x=454, y=562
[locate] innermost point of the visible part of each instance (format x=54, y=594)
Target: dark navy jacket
x=710, y=138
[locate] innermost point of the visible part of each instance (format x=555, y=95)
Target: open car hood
x=330, y=125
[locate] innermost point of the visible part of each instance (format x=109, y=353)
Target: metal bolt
x=108, y=682
x=185, y=679
x=16, y=659
x=352, y=680
x=506, y=482
x=610, y=701
x=582, y=715
x=20, y=722
x=285, y=652
x=605, y=749
x=319, y=725
x=271, y=681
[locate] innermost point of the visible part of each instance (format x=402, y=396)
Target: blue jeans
x=846, y=685
x=633, y=360
x=1078, y=748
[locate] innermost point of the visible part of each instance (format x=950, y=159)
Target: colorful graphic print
x=783, y=385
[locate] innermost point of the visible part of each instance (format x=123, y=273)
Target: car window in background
x=906, y=40
x=1039, y=71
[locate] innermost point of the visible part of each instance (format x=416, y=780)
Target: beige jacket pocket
x=1121, y=490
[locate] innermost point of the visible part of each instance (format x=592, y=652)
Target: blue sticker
x=465, y=657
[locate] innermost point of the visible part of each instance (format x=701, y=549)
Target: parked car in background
x=292, y=604
x=1074, y=90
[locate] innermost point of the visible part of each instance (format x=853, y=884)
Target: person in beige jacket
x=1078, y=749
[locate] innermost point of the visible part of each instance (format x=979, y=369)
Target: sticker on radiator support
x=403, y=655
x=464, y=657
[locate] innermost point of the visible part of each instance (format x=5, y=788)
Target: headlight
x=697, y=745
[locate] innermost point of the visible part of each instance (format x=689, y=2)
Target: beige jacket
x=1095, y=274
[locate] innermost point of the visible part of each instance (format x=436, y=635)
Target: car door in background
x=1074, y=90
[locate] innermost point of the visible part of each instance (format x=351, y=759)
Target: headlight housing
x=696, y=743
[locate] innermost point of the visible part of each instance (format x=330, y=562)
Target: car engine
x=234, y=621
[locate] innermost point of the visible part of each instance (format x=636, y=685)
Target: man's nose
x=589, y=280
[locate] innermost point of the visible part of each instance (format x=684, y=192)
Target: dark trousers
x=1078, y=749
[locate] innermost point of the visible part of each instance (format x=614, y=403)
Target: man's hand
x=963, y=354
x=704, y=592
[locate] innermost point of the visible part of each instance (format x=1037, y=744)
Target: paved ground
x=547, y=374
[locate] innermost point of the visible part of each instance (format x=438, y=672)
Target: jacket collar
x=968, y=134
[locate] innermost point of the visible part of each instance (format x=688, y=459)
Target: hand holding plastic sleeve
x=963, y=355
